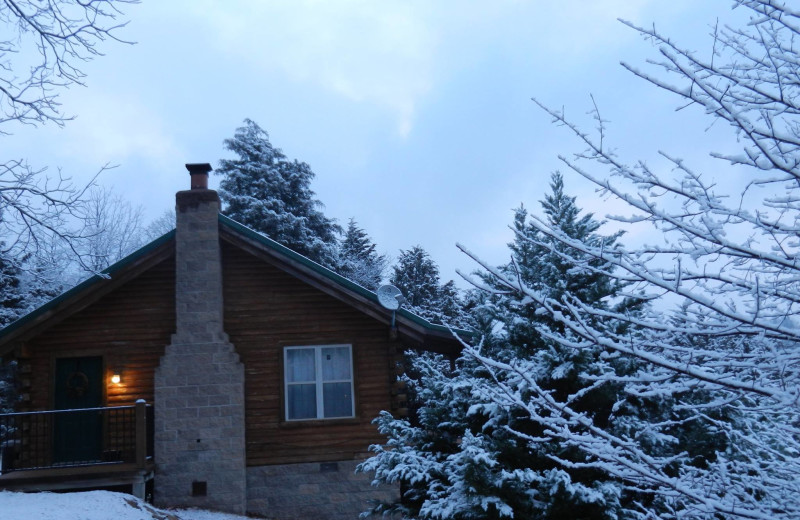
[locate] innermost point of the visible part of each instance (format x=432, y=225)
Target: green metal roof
x=247, y=232
x=331, y=275
x=105, y=274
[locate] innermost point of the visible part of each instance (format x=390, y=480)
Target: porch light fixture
x=116, y=378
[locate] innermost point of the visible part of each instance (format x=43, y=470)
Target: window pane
x=337, y=400
x=302, y=401
x=300, y=365
x=335, y=363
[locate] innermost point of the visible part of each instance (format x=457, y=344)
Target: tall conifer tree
x=462, y=456
x=265, y=191
x=12, y=297
x=359, y=260
x=417, y=277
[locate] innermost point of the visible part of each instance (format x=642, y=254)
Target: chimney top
x=199, y=174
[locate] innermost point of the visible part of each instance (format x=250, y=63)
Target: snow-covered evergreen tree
x=21, y=290
x=545, y=267
x=8, y=390
x=708, y=425
x=417, y=276
x=12, y=296
x=48, y=275
x=450, y=305
x=359, y=260
x=31, y=282
x=464, y=456
x=265, y=191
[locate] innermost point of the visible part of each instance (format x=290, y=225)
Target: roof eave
x=86, y=292
x=410, y=326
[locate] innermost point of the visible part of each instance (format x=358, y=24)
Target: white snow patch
x=94, y=505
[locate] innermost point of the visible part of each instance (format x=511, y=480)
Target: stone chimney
x=199, y=384
x=198, y=266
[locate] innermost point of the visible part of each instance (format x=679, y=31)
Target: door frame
x=54, y=358
x=51, y=382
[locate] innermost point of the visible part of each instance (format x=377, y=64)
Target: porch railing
x=83, y=437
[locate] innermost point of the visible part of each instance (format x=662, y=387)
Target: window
x=318, y=382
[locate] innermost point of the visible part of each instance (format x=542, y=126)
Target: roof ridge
x=105, y=274
x=331, y=275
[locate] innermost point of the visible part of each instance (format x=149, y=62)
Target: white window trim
x=318, y=381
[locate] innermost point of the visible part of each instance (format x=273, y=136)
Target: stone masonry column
x=199, y=384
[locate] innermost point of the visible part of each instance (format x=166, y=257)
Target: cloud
x=392, y=54
x=381, y=53
x=114, y=126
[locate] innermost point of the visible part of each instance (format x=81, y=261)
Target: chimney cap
x=198, y=168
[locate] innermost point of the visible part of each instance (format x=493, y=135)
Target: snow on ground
x=93, y=505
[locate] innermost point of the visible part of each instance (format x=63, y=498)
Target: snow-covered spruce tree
x=463, y=456
x=547, y=269
x=8, y=391
x=451, y=305
x=727, y=358
x=12, y=296
x=264, y=190
x=12, y=306
x=417, y=276
x=47, y=274
x=359, y=260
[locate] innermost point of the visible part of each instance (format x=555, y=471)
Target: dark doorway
x=79, y=385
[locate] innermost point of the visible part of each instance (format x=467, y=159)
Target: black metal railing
x=68, y=438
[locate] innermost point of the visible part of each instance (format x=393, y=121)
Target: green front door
x=78, y=434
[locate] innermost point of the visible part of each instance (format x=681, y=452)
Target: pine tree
x=12, y=297
x=417, y=277
x=8, y=391
x=265, y=191
x=722, y=266
x=468, y=457
x=358, y=259
x=450, y=305
x=24, y=286
x=540, y=262
x=46, y=277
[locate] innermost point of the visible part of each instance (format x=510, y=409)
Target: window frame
x=318, y=382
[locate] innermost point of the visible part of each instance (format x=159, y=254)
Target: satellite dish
x=390, y=297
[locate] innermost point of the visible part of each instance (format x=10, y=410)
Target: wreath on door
x=77, y=385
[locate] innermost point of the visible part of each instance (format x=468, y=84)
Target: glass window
x=318, y=382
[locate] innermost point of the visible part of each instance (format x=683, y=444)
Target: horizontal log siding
x=129, y=327
x=267, y=309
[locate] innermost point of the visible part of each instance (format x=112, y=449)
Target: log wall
x=128, y=327
x=266, y=310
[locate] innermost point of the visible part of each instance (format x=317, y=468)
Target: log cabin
x=212, y=368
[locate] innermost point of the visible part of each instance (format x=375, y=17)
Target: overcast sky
x=415, y=115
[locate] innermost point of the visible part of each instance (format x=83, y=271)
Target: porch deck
x=81, y=477
x=77, y=449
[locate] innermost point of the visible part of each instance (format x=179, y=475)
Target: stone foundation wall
x=320, y=491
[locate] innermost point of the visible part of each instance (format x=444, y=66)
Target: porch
x=89, y=448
